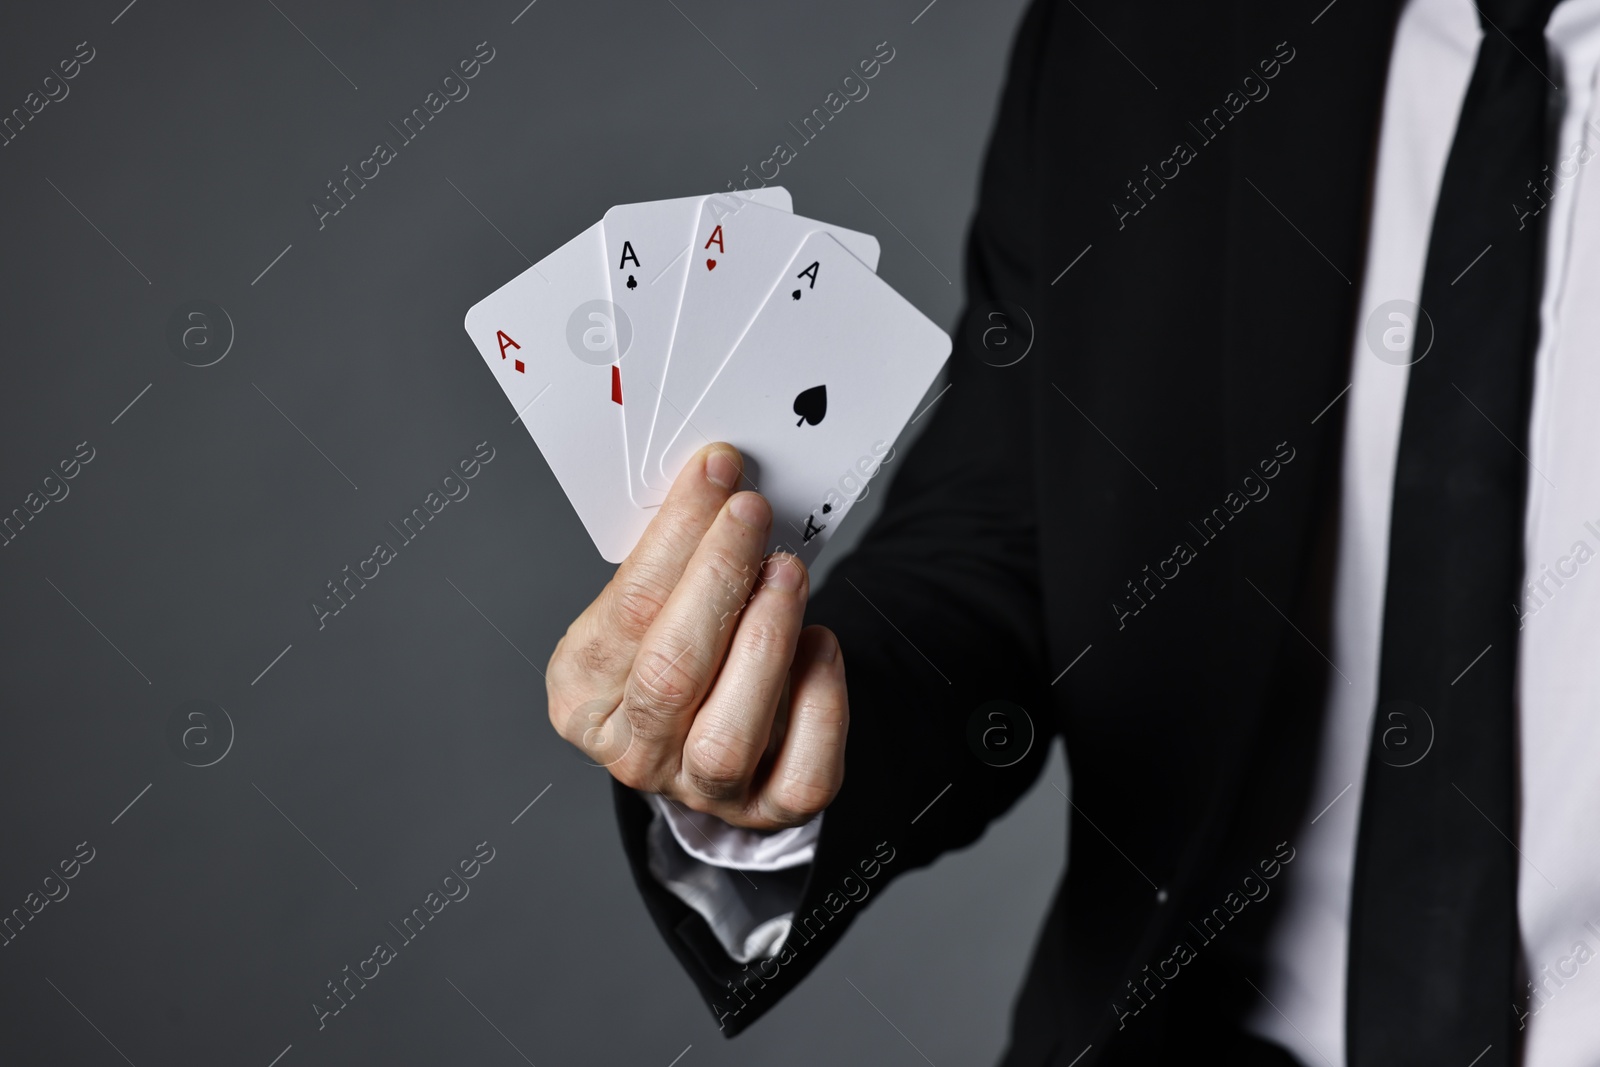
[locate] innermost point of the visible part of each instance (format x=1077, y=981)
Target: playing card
x=817, y=390
x=647, y=256
x=552, y=338
x=735, y=262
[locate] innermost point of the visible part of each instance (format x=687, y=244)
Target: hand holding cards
x=673, y=324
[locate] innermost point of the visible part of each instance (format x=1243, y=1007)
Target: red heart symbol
x=711, y=264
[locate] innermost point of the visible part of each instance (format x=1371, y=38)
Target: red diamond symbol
x=520, y=367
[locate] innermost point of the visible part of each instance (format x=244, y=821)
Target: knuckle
x=581, y=654
x=662, y=687
x=768, y=814
x=597, y=656
x=717, y=767
x=714, y=787
x=636, y=603
x=651, y=721
x=763, y=639
x=680, y=522
x=807, y=782
x=798, y=798
x=734, y=578
x=670, y=681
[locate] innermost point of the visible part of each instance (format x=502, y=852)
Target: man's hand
x=690, y=675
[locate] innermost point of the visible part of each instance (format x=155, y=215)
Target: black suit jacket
x=1154, y=483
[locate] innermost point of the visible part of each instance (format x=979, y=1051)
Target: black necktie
x=1433, y=935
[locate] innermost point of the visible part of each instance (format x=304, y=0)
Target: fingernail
x=783, y=572
x=829, y=650
x=750, y=509
x=721, y=470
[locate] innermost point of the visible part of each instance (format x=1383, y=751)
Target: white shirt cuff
x=710, y=840
x=744, y=883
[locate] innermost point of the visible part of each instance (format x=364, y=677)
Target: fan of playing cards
x=671, y=324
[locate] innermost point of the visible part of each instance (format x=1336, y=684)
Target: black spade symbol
x=795, y=294
x=631, y=283
x=812, y=404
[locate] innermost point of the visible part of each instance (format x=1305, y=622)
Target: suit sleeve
x=938, y=613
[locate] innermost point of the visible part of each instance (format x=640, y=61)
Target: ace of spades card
x=817, y=390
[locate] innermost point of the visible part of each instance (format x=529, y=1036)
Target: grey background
x=379, y=751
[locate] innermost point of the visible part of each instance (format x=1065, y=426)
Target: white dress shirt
x=1302, y=1006
x=1558, y=892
